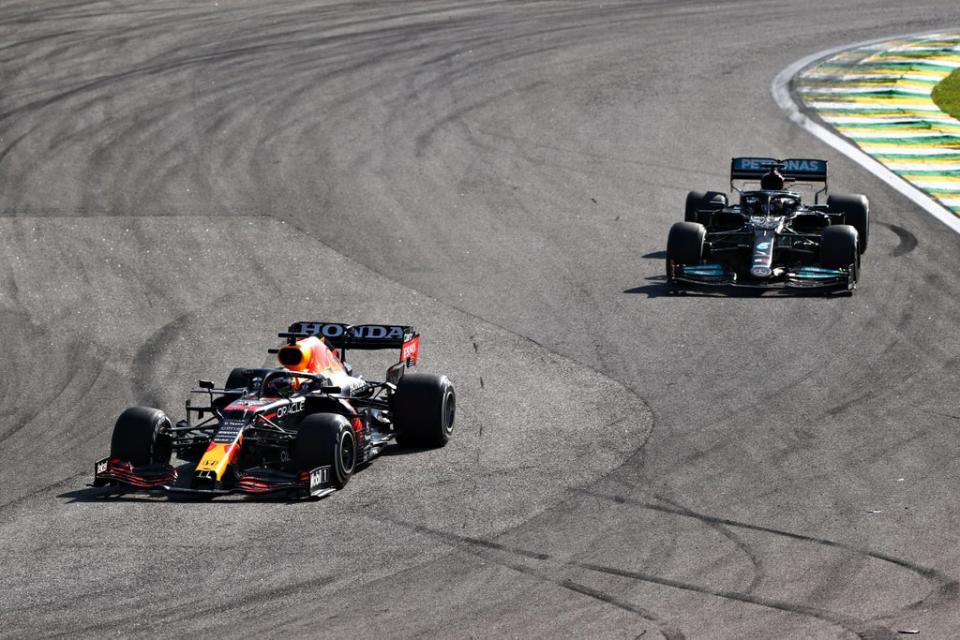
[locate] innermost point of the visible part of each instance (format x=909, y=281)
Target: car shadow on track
x=655, y=255
x=402, y=450
x=100, y=494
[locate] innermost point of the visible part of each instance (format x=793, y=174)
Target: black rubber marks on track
x=908, y=241
x=477, y=546
x=539, y=565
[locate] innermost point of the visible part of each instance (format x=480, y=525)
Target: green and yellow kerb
x=898, y=101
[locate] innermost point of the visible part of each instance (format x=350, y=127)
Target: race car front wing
x=115, y=471
x=315, y=483
x=808, y=277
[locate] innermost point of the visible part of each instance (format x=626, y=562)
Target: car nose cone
x=760, y=272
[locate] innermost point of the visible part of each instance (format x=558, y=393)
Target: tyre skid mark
x=180, y=613
x=725, y=531
x=76, y=353
x=946, y=589
x=476, y=546
x=480, y=546
x=850, y=624
x=144, y=362
x=19, y=501
x=908, y=241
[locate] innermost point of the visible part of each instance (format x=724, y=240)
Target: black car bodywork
x=770, y=238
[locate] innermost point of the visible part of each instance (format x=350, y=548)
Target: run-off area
x=114, y=313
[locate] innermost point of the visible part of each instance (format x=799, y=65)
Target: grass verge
x=946, y=94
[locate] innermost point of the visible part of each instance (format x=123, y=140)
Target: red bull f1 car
x=771, y=238
x=300, y=429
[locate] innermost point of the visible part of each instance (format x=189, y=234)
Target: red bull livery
x=300, y=429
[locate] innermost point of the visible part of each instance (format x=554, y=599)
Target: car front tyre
x=141, y=436
x=327, y=439
x=856, y=210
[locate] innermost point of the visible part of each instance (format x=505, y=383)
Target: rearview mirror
x=205, y=384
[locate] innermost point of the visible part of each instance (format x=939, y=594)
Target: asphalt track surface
x=179, y=180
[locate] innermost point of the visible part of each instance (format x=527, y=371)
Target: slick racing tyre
x=141, y=436
x=327, y=439
x=423, y=410
x=698, y=201
x=685, y=245
x=856, y=210
x=838, y=247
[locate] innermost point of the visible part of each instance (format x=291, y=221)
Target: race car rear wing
x=807, y=170
x=361, y=336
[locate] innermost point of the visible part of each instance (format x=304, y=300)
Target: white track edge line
x=781, y=93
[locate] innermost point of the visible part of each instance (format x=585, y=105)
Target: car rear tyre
x=838, y=247
x=423, y=410
x=698, y=201
x=327, y=439
x=141, y=436
x=856, y=210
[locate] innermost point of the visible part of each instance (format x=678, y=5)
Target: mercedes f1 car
x=300, y=429
x=771, y=238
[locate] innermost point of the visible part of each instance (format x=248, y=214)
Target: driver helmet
x=772, y=180
x=281, y=386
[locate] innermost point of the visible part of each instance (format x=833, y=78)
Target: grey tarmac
x=181, y=180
